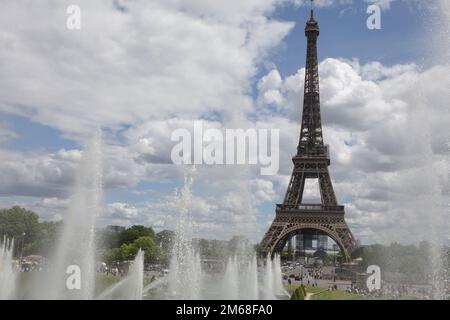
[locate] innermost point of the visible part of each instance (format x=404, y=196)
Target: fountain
x=230, y=282
x=185, y=267
x=268, y=288
x=7, y=274
x=249, y=286
x=240, y=279
x=132, y=286
x=438, y=212
x=277, y=276
x=432, y=200
x=76, y=244
x=135, y=285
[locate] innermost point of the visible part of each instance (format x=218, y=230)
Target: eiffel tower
x=311, y=161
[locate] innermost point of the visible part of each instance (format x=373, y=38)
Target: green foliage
x=129, y=235
x=342, y=295
x=299, y=293
x=128, y=251
x=108, y=239
x=16, y=221
x=311, y=289
x=46, y=239
x=336, y=295
x=124, y=245
x=150, y=247
x=23, y=225
x=41, y=238
x=303, y=288
x=165, y=239
x=396, y=258
x=112, y=255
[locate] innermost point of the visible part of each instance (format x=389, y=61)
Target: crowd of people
x=315, y=273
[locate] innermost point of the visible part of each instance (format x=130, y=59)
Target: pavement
x=309, y=280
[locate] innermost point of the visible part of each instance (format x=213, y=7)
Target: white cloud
x=386, y=4
x=379, y=167
x=383, y=4
x=34, y=174
x=159, y=59
x=121, y=213
x=322, y=3
x=160, y=65
x=387, y=128
x=211, y=216
x=50, y=208
x=262, y=190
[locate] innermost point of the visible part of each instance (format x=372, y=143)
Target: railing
x=323, y=151
x=309, y=207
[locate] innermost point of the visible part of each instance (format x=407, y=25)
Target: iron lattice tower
x=311, y=161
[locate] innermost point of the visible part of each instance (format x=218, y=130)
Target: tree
x=127, y=251
x=151, y=250
x=299, y=293
x=149, y=246
x=108, y=239
x=112, y=255
x=129, y=235
x=20, y=224
x=46, y=239
x=165, y=239
x=409, y=260
x=205, y=248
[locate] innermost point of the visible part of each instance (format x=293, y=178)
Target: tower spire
x=311, y=139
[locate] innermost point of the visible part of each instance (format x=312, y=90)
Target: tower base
x=289, y=222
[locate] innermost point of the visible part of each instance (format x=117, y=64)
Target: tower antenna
x=312, y=9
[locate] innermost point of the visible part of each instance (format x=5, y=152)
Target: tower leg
x=326, y=189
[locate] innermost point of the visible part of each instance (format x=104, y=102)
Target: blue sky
x=344, y=35
x=58, y=86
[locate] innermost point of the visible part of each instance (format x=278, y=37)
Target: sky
x=141, y=69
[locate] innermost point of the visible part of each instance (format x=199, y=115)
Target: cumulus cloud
x=142, y=69
x=386, y=126
x=131, y=69
x=154, y=60
x=386, y=4
x=220, y=217
x=34, y=173
x=119, y=212
x=384, y=169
